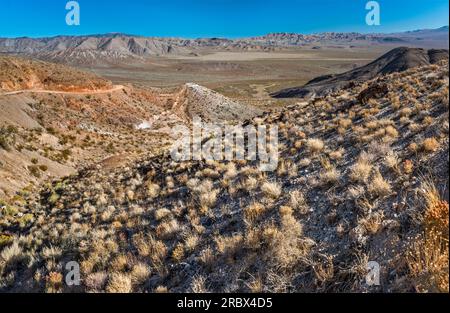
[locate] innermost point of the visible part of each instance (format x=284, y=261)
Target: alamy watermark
x=373, y=16
x=73, y=16
x=373, y=275
x=218, y=142
x=73, y=274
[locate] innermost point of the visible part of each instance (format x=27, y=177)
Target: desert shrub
x=315, y=145
x=54, y=282
x=110, y=148
x=198, y=284
x=139, y=273
x=51, y=130
x=271, y=190
x=65, y=154
x=361, y=170
x=167, y=229
x=287, y=246
x=162, y=213
x=427, y=258
x=7, y=137
x=253, y=212
x=119, y=283
x=5, y=240
x=298, y=202
x=378, y=185
x=430, y=145
x=43, y=168
x=229, y=246
x=329, y=176
x=152, y=190
x=34, y=170
x=96, y=281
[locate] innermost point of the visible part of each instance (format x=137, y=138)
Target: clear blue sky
x=215, y=18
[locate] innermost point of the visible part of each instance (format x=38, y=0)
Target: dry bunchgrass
x=204, y=193
x=167, y=229
x=378, y=185
x=428, y=258
x=372, y=223
x=253, y=212
x=298, y=202
x=250, y=184
x=271, y=190
x=391, y=131
x=95, y=282
x=337, y=154
x=208, y=199
x=178, y=252
x=345, y=123
x=329, y=175
x=139, y=273
x=405, y=112
x=361, y=170
x=54, y=282
x=153, y=190
x=287, y=246
x=256, y=285
x=430, y=145
x=315, y=145
x=391, y=160
x=119, y=283
x=198, y=284
x=162, y=214
x=229, y=246
x=207, y=257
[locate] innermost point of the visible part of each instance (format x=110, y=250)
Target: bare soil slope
x=19, y=74
x=356, y=182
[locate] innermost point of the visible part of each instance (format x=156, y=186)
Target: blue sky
x=215, y=18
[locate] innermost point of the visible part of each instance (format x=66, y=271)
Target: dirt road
x=90, y=92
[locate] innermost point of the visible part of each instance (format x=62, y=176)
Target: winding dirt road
x=90, y=92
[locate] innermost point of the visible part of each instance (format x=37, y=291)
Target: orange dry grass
x=428, y=258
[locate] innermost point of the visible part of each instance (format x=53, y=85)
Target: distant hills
x=117, y=47
x=396, y=60
x=415, y=38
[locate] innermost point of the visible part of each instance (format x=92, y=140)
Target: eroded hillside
x=21, y=74
x=56, y=120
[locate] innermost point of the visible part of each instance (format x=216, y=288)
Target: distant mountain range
x=117, y=47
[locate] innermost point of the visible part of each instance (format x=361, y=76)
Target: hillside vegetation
x=362, y=177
